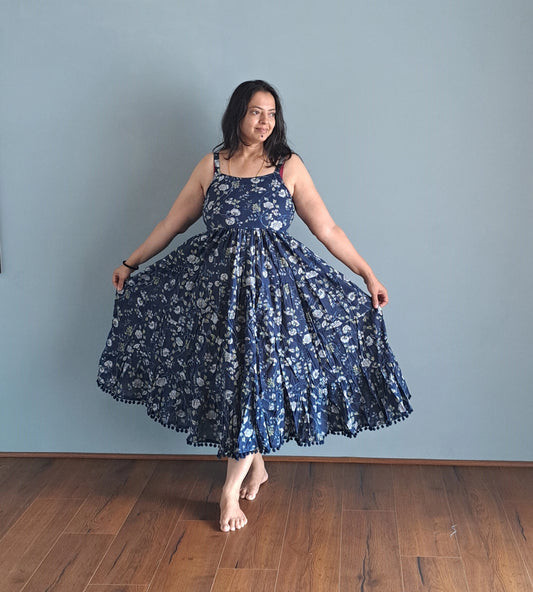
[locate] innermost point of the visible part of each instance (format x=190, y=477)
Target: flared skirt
x=245, y=339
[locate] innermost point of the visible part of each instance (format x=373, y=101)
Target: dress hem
x=262, y=450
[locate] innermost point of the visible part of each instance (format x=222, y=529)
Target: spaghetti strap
x=279, y=167
x=216, y=162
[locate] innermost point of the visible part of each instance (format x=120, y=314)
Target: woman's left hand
x=378, y=292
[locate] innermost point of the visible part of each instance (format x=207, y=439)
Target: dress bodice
x=247, y=202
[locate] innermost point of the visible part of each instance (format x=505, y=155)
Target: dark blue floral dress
x=244, y=338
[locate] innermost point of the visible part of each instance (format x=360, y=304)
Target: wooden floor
x=100, y=525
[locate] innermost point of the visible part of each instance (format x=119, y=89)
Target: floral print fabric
x=244, y=338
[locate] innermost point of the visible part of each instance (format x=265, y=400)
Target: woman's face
x=260, y=118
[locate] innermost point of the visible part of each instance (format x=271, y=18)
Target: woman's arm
x=312, y=210
x=186, y=210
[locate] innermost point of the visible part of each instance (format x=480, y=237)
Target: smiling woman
x=248, y=122
x=260, y=118
x=242, y=336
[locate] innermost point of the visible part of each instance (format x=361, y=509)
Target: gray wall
x=415, y=120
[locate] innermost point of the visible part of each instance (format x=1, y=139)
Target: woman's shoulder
x=207, y=160
x=206, y=166
x=293, y=165
x=204, y=171
x=293, y=160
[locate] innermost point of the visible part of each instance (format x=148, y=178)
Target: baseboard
x=276, y=458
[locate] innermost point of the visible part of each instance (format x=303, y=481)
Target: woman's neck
x=249, y=153
x=248, y=161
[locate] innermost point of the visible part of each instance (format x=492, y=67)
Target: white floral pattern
x=244, y=338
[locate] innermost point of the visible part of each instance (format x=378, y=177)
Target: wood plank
x=7, y=465
x=258, y=545
x=513, y=483
x=191, y=558
x=368, y=487
x=113, y=496
x=140, y=543
x=370, y=560
x=76, y=478
x=70, y=563
x=310, y=558
x=30, y=539
x=21, y=484
x=489, y=552
x=245, y=580
x=433, y=574
x=205, y=495
x=520, y=516
x=423, y=514
x=115, y=588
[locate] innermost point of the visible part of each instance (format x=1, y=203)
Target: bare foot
x=253, y=480
x=231, y=515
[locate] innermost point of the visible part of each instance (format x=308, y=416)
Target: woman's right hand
x=120, y=275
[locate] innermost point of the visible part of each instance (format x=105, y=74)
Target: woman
x=242, y=336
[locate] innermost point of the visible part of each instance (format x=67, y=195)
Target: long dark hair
x=276, y=147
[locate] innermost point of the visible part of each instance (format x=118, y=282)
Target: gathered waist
x=248, y=228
